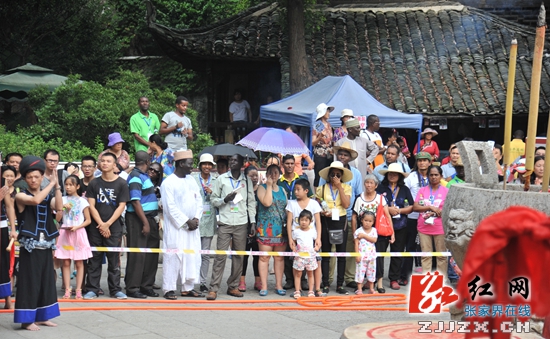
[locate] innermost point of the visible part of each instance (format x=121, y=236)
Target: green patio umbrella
x=16, y=84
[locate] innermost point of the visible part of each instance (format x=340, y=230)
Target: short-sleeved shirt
x=293, y=207
x=332, y=196
x=448, y=170
x=176, y=140
x=108, y=195
x=144, y=127
x=361, y=204
x=356, y=188
x=75, y=215
x=239, y=110
x=439, y=196
x=288, y=186
x=142, y=189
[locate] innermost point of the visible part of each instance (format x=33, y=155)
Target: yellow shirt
x=332, y=203
x=517, y=149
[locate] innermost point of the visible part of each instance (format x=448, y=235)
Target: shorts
x=310, y=264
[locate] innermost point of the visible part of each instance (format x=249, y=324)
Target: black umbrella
x=229, y=150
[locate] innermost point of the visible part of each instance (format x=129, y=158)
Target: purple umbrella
x=274, y=140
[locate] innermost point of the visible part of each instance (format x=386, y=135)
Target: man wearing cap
x=205, y=179
x=233, y=195
x=342, y=131
x=371, y=134
x=176, y=126
x=416, y=180
x=392, y=156
x=345, y=154
x=143, y=124
x=366, y=149
x=143, y=231
x=182, y=210
x=36, y=300
x=107, y=196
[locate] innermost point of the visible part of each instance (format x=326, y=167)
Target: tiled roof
x=435, y=59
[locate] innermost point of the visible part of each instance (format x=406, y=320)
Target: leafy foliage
x=69, y=36
x=87, y=112
x=27, y=143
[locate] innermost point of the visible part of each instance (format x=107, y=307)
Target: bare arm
x=164, y=129
x=23, y=199
x=141, y=140
x=10, y=211
x=141, y=215
x=265, y=195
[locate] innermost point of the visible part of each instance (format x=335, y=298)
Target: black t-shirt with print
x=108, y=196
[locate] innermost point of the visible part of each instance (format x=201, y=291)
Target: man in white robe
x=182, y=203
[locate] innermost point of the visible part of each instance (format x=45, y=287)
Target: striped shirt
x=142, y=189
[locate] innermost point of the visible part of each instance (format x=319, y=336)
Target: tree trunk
x=299, y=72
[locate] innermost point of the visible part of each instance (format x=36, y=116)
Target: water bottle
x=406, y=203
x=324, y=206
x=421, y=200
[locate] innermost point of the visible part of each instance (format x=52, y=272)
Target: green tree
x=88, y=112
x=69, y=36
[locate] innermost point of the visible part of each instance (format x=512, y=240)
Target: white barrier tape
x=262, y=253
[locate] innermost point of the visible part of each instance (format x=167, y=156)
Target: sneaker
x=90, y=295
x=203, y=288
x=352, y=284
x=325, y=290
x=120, y=295
x=403, y=282
x=341, y=290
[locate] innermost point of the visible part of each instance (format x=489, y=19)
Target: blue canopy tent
x=341, y=92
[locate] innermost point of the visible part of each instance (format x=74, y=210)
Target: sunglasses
x=338, y=175
x=154, y=170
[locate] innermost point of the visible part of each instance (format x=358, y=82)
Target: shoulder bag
x=383, y=225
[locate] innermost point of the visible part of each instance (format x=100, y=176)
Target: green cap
x=423, y=155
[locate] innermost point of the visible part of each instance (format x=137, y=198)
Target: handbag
x=383, y=225
x=336, y=237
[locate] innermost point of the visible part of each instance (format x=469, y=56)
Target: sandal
x=242, y=286
x=358, y=292
x=78, y=294
x=67, y=294
x=170, y=295
x=311, y=294
x=263, y=293
x=320, y=294
x=192, y=294
x=280, y=292
x=297, y=294
x=257, y=286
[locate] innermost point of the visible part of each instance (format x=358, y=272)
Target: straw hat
x=347, y=176
x=394, y=168
x=346, y=146
x=183, y=154
x=322, y=110
x=429, y=130
x=207, y=157
x=346, y=113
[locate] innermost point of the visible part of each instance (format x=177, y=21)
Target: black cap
x=32, y=163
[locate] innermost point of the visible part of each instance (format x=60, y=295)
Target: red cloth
x=506, y=245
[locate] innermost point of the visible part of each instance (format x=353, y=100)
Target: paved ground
x=203, y=323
